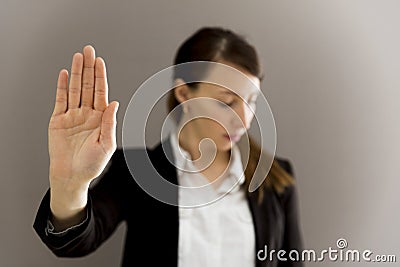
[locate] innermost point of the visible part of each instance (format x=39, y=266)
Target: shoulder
x=286, y=164
x=121, y=156
x=118, y=167
x=118, y=174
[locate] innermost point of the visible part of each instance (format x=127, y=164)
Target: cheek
x=214, y=114
x=210, y=127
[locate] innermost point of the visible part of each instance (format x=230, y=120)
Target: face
x=219, y=113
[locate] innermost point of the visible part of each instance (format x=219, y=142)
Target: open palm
x=82, y=127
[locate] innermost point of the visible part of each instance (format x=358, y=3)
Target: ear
x=181, y=91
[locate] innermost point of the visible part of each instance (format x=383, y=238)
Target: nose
x=243, y=112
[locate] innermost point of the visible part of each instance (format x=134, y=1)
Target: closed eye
x=251, y=102
x=225, y=104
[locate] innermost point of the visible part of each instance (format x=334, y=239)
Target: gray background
x=332, y=81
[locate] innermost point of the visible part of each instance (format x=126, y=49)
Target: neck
x=190, y=141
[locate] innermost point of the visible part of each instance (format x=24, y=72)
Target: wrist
x=67, y=201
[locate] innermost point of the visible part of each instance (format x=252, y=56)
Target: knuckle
x=87, y=84
x=85, y=102
x=61, y=99
x=100, y=92
x=74, y=90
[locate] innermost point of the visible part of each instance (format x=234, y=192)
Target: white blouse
x=220, y=233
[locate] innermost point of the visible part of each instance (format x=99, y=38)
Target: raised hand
x=81, y=131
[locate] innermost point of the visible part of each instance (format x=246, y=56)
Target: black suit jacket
x=153, y=226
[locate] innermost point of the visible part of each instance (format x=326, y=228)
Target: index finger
x=101, y=86
x=61, y=94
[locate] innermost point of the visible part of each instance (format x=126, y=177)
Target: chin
x=225, y=147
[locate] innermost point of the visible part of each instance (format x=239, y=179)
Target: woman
x=75, y=218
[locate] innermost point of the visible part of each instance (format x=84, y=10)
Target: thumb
x=115, y=106
x=109, y=125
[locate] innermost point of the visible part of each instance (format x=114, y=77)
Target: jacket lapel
x=259, y=211
x=162, y=159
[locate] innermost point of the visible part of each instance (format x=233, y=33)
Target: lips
x=233, y=138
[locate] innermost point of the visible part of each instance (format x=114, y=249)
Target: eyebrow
x=232, y=93
x=227, y=92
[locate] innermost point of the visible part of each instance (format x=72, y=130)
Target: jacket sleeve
x=105, y=210
x=293, y=238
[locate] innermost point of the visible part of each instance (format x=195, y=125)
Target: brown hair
x=213, y=44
